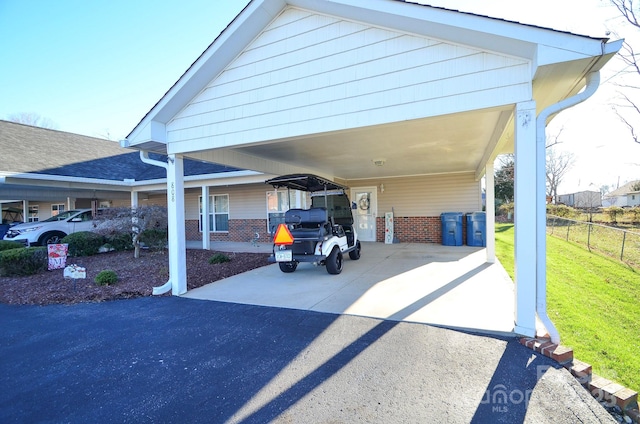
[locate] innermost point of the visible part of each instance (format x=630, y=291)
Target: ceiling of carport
x=444, y=144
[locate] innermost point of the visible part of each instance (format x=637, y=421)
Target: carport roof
x=558, y=63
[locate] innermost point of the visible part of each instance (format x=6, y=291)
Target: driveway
x=171, y=359
x=449, y=286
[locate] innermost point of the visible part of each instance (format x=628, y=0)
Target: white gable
x=311, y=73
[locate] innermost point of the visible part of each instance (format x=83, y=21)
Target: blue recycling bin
x=451, y=228
x=477, y=229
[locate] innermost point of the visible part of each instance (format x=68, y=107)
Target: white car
x=51, y=230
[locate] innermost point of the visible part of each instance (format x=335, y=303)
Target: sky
x=97, y=67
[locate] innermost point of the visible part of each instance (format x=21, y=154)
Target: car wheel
x=288, y=266
x=51, y=238
x=355, y=253
x=334, y=261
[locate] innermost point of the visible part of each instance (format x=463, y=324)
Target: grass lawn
x=594, y=302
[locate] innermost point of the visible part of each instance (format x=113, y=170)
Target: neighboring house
x=587, y=199
x=44, y=172
x=622, y=196
x=407, y=104
x=633, y=198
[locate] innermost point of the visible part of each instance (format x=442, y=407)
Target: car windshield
x=61, y=216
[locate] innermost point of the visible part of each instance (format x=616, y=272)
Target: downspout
x=144, y=157
x=593, y=81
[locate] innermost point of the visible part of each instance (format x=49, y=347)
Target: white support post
x=25, y=210
x=206, y=241
x=490, y=209
x=177, y=234
x=134, y=199
x=525, y=219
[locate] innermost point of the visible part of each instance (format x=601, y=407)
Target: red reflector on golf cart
x=283, y=236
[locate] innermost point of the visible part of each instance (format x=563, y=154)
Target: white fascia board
x=16, y=179
x=226, y=47
x=483, y=32
x=223, y=178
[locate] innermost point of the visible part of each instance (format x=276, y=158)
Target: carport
x=338, y=87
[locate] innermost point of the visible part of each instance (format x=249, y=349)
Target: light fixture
x=381, y=188
x=379, y=162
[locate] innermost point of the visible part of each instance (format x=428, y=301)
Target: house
x=407, y=104
x=45, y=172
x=622, y=196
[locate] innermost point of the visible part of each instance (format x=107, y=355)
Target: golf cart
x=320, y=234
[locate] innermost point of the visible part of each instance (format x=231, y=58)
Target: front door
x=366, y=201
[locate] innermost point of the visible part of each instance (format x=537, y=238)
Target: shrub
x=613, y=212
x=154, y=239
x=219, y=258
x=106, y=277
x=23, y=261
x=6, y=245
x=563, y=211
x=120, y=242
x=83, y=243
x=634, y=214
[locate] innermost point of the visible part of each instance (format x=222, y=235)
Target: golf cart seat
x=307, y=223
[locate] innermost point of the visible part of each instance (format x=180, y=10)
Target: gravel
x=136, y=277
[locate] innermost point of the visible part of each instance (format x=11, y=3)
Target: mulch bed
x=136, y=277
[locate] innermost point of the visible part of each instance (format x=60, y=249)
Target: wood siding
x=309, y=73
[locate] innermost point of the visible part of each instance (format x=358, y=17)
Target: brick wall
x=413, y=229
x=243, y=230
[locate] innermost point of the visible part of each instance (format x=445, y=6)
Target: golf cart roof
x=305, y=182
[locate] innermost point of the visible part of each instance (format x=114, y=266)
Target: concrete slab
x=448, y=286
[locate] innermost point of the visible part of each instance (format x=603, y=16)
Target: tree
x=630, y=13
x=503, y=179
x=33, y=119
x=558, y=164
x=144, y=223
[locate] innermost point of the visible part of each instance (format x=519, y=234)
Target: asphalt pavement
x=177, y=360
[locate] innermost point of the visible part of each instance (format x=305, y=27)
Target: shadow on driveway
x=172, y=359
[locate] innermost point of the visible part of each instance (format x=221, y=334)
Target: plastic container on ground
x=477, y=229
x=451, y=228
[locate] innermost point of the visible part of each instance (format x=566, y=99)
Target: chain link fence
x=617, y=243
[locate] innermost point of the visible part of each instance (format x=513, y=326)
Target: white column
x=134, y=199
x=206, y=241
x=525, y=218
x=177, y=236
x=25, y=210
x=490, y=210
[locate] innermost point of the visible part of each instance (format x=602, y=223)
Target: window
x=33, y=213
x=56, y=209
x=278, y=203
x=218, y=212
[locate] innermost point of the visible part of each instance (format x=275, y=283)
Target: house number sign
x=173, y=192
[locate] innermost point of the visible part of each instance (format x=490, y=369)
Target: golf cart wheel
x=334, y=261
x=288, y=266
x=355, y=253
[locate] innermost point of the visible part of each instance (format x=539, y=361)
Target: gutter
x=593, y=81
x=144, y=157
